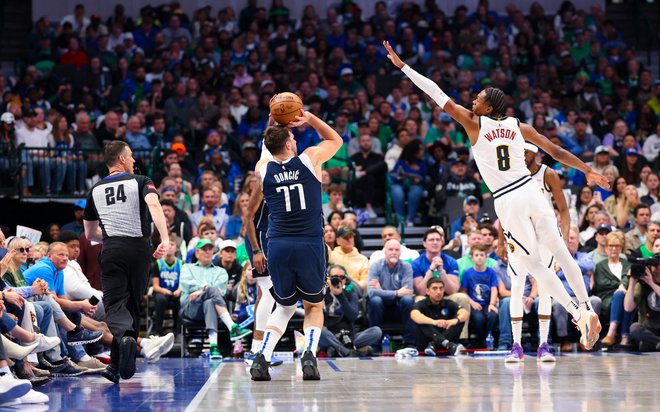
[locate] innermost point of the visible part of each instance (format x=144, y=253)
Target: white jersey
x=539, y=176
x=500, y=154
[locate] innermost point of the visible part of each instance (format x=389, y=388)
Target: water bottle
x=490, y=341
x=385, y=348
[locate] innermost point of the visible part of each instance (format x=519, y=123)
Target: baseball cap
x=345, y=231
x=167, y=189
x=29, y=113
x=249, y=145
x=203, y=242
x=459, y=161
x=531, y=147
x=632, y=152
x=601, y=149
x=81, y=204
x=470, y=199
x=180, y=148
x=227, y=243
x=445, y=117
x=604, y=226
x=266, y=83
x=346, y=71
x=7, y=118
x=128, y=35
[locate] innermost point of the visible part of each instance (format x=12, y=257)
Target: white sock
x=213, y=337
x=227, y=320
x=312, y=335
x=516, y=330
x=271, y=337
x=256, y=345
x=84, y=358
x=544, y=329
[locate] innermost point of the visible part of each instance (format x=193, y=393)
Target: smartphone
x=93, y=300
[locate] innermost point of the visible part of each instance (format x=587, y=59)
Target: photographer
x=643, y=294
x=340, y=311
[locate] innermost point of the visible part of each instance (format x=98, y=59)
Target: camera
x=335, y=281
x=639, y=265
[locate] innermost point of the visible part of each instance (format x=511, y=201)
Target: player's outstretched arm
x=563, y=156
x=462, y=115
x=331, y=140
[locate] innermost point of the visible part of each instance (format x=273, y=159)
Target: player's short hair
x=497, y=100
x=112, y=151
x=275, y=138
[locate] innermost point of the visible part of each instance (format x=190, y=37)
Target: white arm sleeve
x=427, y=85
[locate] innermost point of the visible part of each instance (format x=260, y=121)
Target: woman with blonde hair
x=609, y=282
x=245, y=294
x=67, y=163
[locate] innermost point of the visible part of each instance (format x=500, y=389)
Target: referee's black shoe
x=259, y=368
x=127, y=352
x=310, y=367
x=111, y=374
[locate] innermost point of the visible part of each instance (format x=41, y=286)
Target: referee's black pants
x=125, y=263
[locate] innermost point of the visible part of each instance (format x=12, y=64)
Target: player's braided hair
x=497, y=100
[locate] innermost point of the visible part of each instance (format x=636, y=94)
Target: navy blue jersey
x=293, y=194
x=261, y=217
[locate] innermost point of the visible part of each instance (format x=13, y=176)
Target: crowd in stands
x=190, y=93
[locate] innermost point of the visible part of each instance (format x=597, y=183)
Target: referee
x=117, y=214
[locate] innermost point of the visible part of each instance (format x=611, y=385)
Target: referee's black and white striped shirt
x=117, y=201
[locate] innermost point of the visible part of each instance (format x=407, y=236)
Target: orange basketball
x=284, y=107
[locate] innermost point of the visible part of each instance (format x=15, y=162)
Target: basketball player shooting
x=296, y=252
x=526, y=218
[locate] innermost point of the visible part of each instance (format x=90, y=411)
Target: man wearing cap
x=203, y=286
x=30, y=136
x=470, y=206
x=226, y=259
x=601, y=159
x=347, y=82
x=600, y=252
x=460, y=183
x=78, y=212
x=347, y=255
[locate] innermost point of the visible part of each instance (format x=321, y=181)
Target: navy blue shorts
x=263, y=245
x=297, y=269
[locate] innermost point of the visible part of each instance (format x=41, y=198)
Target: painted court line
x=333, y=366
x=194, y=404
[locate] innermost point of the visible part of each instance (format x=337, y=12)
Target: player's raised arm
x=331, y=140
x=462, y=115
x=563, y=156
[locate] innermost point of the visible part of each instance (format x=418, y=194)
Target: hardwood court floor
x=577, y=382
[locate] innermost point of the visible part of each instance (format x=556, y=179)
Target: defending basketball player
x=527, y=219
x=296, y=261
x=551, y=188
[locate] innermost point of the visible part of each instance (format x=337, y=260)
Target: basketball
x=284, y=107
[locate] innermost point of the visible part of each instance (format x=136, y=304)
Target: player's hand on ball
x=302, y=119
